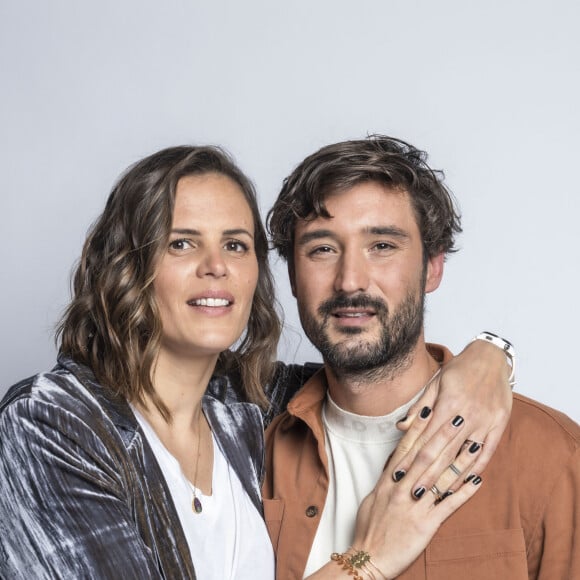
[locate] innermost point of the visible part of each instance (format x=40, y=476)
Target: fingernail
x=477, y=480
x=474, y=447
x=399, y=474
x=469, y=478
x=425, y=412
x=418, y=493
x=403, y=419
x=446, y=494
x=457, y=421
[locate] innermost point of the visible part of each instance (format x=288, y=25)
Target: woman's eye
x=236, y=246
x=179, y=244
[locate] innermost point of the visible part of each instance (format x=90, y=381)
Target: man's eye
x=321, y=250
x=383, y=246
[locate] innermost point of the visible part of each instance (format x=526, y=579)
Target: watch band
x=506, y=346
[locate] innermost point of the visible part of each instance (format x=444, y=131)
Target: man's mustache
x=358, y=301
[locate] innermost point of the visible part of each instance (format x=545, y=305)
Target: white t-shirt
x=358, y=448
x=228, y=539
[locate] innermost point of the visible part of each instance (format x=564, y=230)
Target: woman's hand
x=397, y=520
x=473, y=385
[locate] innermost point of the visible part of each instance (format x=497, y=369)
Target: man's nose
x=352, y=273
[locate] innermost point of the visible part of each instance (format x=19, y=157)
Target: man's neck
x=382, y=392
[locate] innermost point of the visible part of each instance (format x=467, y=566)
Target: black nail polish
x=418, y=493
x=425, y=412
x=399, y=474
x=403, y=419
x=457, y=421
x=474, y=447
x=446, y=494
x=469, y=478
x=477, y=480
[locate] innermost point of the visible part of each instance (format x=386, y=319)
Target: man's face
x=360, y=278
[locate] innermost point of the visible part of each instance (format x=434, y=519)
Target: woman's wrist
x=358, y=564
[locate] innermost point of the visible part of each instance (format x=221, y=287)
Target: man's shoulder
x=540, y=445
x=303, y=413
x=542, y=423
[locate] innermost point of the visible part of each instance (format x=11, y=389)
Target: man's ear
x=292, y=277
x=435, y=266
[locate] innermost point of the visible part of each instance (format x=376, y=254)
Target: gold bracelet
x=352, y=563
x=373, y=565
x=345, y=562
x=365, y=560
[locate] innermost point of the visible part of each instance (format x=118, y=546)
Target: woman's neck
x=180, y=383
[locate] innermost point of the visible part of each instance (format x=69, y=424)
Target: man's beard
x=368, y=359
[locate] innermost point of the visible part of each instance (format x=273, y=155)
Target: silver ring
x=453, y=468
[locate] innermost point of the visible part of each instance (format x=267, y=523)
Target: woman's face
x=206, y=279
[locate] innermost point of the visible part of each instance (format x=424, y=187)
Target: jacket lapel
x=239, y=432
x=154, y=510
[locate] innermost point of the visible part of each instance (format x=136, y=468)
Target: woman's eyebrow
x=230, y=232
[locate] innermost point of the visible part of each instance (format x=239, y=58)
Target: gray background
x=490, y=89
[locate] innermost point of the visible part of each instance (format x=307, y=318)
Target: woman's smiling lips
x=212, y=302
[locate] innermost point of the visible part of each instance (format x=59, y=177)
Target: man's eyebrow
x=387, y=231
x=307, y=237
x=392, y=231
x=232, y=232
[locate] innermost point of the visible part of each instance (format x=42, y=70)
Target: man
x=365, y=227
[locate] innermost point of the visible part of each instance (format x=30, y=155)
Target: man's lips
x=351, y=313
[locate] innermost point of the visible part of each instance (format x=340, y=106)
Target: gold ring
x=436, y=492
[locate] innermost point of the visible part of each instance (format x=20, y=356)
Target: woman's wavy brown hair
x=113, y=324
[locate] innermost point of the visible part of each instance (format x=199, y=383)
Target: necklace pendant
x=196, y=505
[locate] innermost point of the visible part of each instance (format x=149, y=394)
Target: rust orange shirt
x=523, y=523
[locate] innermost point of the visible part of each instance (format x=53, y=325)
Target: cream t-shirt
x=358, y=448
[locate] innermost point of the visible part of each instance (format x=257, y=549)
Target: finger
x=443, y=509
x=449, y=480
x=435, y=456
x=491, y=441
x=427, y=399
x=422, y=437
x=413, y=440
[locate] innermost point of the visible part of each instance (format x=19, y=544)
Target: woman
x=118, y=462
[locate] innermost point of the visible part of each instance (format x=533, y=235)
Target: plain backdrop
x=491, y=90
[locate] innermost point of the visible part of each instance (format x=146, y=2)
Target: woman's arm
x=65, y=511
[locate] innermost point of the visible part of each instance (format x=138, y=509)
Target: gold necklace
x=196, y=502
